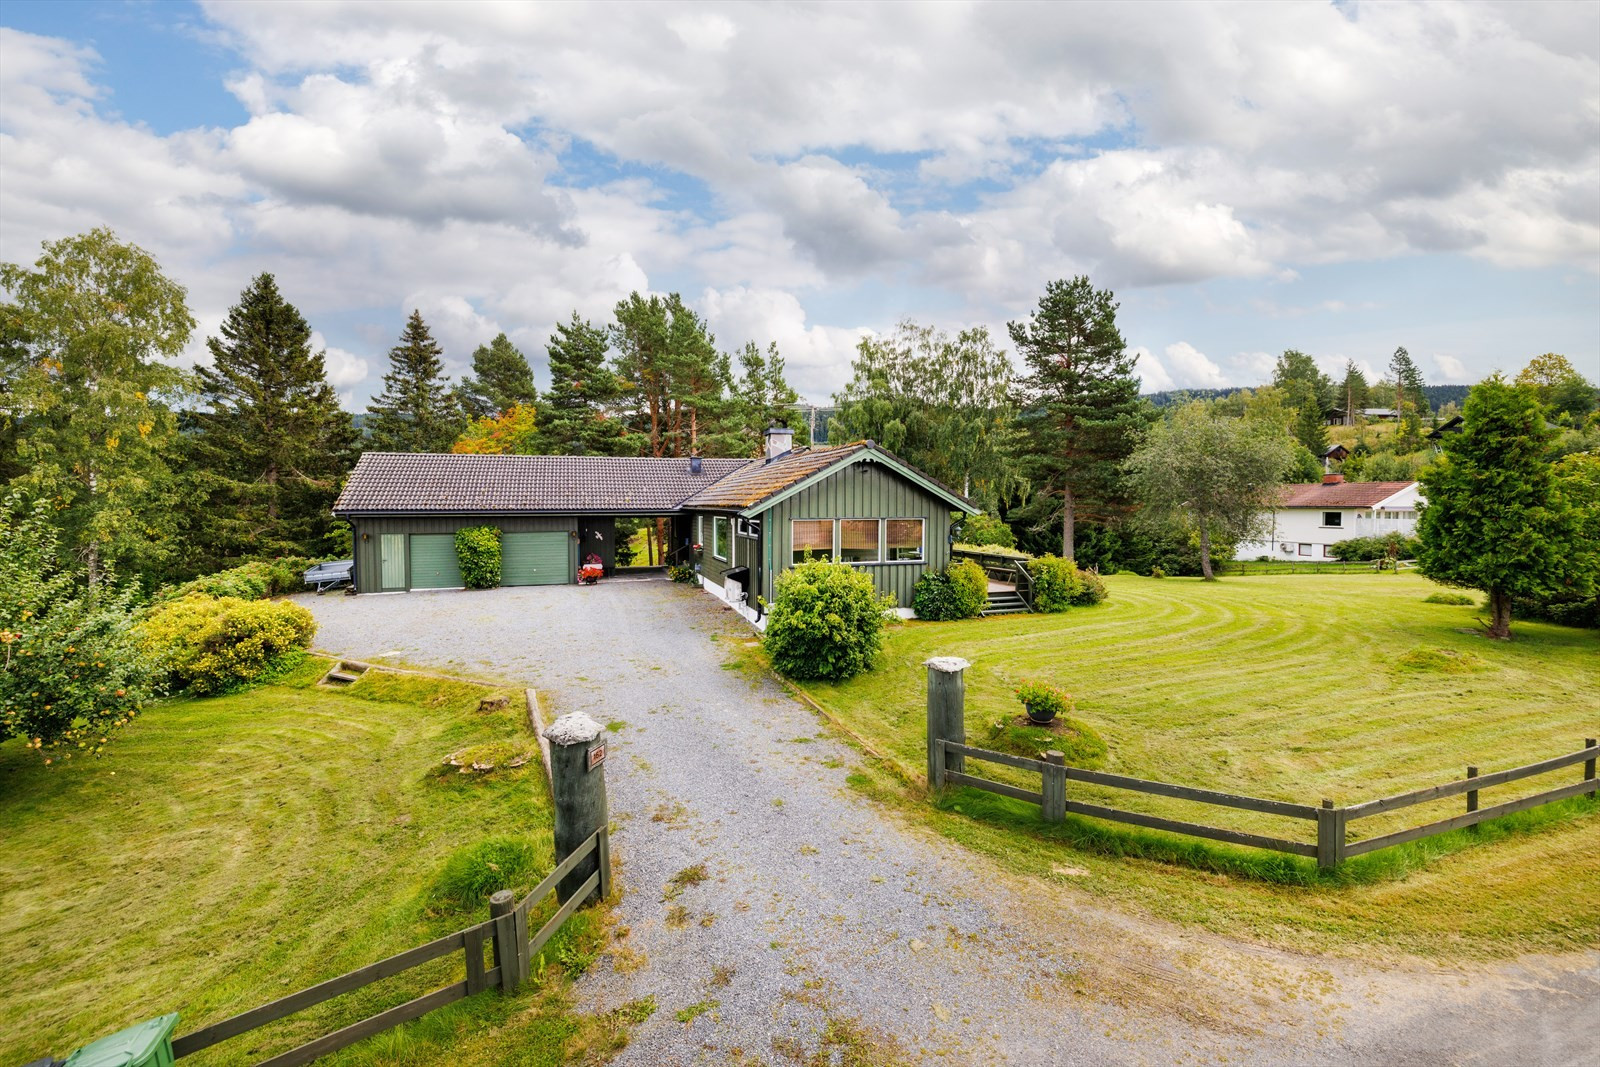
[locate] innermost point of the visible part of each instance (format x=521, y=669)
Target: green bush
x=1094, y=588
x=980, y=530
x=478, y=552
x=71, y=666
x=827, y=621
x=682, y=572
x=213, y=644
x=959, y=592
x=1448, y=598
x=1389, y=546
x=1056, y=583
x=248, y=581
x=474, y=873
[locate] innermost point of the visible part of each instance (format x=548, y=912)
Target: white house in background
x=1312, y=518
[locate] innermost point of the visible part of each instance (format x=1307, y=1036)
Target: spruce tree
x=270, y=442
x=765, y=398
x=1407, y=381
x=1352, y=391
x=416, y=411
x=504, y=380
x=574, y=414
x=1080, y=410
x=1496, y=518
x=1309, y=426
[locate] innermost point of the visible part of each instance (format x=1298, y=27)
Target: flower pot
x=1041, y=716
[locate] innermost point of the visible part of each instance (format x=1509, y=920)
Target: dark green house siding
x=368, y=532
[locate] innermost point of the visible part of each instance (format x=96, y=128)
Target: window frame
x=1337, y=516
x=1303, y=548
x=877, y=542
x=833, y=541
x=718, y=524
x=922, y=545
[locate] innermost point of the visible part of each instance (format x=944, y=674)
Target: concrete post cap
x=947, y=664
x=574, y=729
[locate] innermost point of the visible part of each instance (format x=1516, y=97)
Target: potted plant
x=1043, y=702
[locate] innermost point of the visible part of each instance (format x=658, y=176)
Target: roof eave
x=878, y=455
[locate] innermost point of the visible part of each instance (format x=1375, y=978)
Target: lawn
x=226, y=852
x=1290, y=688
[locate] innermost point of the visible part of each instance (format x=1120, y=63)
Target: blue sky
x=1341, y=180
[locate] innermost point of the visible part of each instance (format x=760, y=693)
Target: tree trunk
x=1500, y=610
x=1205, y=552
x=1068, y=520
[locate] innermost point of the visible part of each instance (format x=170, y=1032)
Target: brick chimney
x=1332, y=479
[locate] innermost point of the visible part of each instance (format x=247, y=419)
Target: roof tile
x=1340, y=494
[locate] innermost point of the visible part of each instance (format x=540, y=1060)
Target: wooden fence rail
x=506, y=930
x=1331, y=847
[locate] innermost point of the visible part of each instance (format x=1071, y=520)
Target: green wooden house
x=739, y=522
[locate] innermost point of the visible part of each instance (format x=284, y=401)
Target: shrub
x=980, y=530
x=248, y=581
x=71, y=667
x=474, y=873
x=1448, y=598
x=682, y=572
x=1042, y=701
x=1389, y=546
x=1094, y=588
x=210, y=644
x=959, y=592
x=1056, y=583
x=827, y=621
x=478, y=552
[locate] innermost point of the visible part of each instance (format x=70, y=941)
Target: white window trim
x=922, y=549
x=1305, y=546
x=714, y=520
x=838, y=542
x=1326, y=525
x=883, y=539
x=833, y=552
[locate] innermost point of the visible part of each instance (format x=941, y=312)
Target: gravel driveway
x=821, y=915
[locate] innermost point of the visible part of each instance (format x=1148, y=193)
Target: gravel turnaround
x=819, y=917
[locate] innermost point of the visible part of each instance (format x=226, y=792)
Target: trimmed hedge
x=1389, y=546
x=960, y=591
x=214, y=644
x=478, y=552
x=827, y=621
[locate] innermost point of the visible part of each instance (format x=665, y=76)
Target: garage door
x=433, y=562
x=534, y=559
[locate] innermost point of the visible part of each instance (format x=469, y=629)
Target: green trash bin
x=147, y=1045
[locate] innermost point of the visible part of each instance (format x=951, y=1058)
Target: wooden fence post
x=947, y=710
x=507, y=949
x=578, y=784
x=1054, y=788
x=1330, y=835
x=1588, y=767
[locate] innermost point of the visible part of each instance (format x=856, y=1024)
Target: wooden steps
x=345, y=672
x=1004, y=602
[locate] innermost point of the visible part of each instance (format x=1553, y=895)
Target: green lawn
x=1290, y=688
x=226, y=852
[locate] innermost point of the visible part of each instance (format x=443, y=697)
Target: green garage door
x=433, y=562
x=534, y=559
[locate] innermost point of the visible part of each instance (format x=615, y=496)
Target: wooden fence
x=506, y=931
x=1331, y=847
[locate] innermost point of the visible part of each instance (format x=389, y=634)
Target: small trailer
x=334, y=574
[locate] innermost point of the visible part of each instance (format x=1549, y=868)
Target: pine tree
x=1081, y=414
x=416, y=412
x=504, y=380
x=1297, y=375
x=1353, y=391
x=1496, y=519
x=676, y=385
x=1309, y=426
x=1407, y=381
x=765, y=398
x=575, y=413
x=271, y=442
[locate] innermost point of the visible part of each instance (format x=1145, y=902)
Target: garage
x=433, y=562
x=535, y=559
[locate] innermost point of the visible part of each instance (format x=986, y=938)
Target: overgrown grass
x=229, y=851
x=1293, y=689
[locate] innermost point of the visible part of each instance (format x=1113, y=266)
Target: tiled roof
x=441, y=482
x=759, y=480
x=1340, y=494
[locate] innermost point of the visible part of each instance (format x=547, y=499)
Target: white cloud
x=817, y=358
x=1191, y=369
x=1452, y=368
x=1152, y=375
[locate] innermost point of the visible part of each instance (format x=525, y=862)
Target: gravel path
x=821, y=916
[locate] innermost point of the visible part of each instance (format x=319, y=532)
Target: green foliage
x=1080, y=411
x=1565, y=393
x=512, y=432
x=827, y=621
x=211, y=645
x=1093, y=589
x=1219, y=475
x=1497, y=517
x=941, y=403
x=270, y=442
x=1448, y=598
x=416, y=412
x=960, y=591
x=1078, y=743
x=573, y=416
x=765, y=398
x=979, y=530
x=249, y=581
x=1042, y=701
x=1352, y=391
x=1057, y=585
x=1303, y=383
x=676, y=387
x=478, y=552
x=475, y=872
x=86, y=334
x=1407, y=379
x=504, y=380
x=73, y=670
x=1303, y=466
x=683, y=572
x=1386, y=546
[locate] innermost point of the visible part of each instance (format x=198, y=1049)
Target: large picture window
x=858, y=540
x=813, y=539
x=721, y=530
x=903, y=540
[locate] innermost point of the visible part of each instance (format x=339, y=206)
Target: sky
x=1336, y=178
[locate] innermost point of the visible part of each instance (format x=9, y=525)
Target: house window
x=812, y=539
x=858, y=540
x=1305, y=549
x=1327, y=551
x=700, y=529
x=721, y=529
x=1333, y=518
x=903, y=540
x=749, y=527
